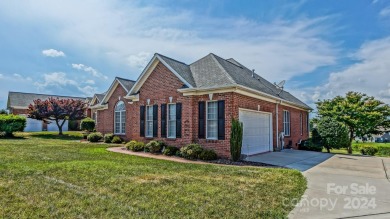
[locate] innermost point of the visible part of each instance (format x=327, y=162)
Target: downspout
x=277, y=125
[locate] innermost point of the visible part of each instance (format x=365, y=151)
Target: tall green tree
x=334, y=134
x=361, y=114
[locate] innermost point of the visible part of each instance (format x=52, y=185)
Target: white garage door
x=33, y=125
x=51, y=127
x=257, y=135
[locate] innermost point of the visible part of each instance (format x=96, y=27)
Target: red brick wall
x=295, y=127
x=105, y=118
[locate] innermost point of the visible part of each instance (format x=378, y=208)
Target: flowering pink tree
x=55, y=110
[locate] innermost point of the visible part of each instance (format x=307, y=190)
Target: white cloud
x=55, y=79
x=385, y=12
x=90, y=70
x=61, y=83
x=53, y=53
x=17, y=76
x=1, y=76
x=90, y=82
x=370, y=74
x=139, y=60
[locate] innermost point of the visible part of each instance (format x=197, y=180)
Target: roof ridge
x=223, y=69
x=124, y=79
x=171, y=59
x=43, y=94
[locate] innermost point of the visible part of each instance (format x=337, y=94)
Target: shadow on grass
x=56, y=136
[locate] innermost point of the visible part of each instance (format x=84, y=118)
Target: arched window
x=120, y=118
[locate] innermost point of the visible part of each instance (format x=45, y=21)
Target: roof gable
x=174, y=66
x=126, y=84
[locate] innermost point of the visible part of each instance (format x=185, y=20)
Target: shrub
x=73, y=125
x=11, y=123
x=170, y=150
x=178, y=153
x=384, y=150
x=369, y=150
x=116, y=140
x=153, y=147
x=108, y=138
x=191, y=151
x=95, y=137
x=309, y=145
x=135, y=146
x=208, y=155
x=162, y=145
x=87, y=124
x=236, y=139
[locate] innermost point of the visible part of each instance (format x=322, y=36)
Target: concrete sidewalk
x=295, y=159
x=347, y=186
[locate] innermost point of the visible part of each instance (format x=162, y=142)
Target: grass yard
x=383, y=149
x=43, y=175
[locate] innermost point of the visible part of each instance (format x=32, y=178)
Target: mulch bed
x=240, y=163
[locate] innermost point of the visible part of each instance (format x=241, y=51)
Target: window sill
x=119, y=133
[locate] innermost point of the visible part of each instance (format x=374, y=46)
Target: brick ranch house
x=194, y=103
x=18, y=102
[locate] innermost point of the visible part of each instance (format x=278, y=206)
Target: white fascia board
x=240, y=90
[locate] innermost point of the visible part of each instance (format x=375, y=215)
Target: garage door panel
x=33, y=125
x=256, y=131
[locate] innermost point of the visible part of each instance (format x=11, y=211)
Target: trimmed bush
x=310, y=146
x=153, y=147
x=208, y=155
x=73, y=125
x=116, y=140
x=369, y=150
x=170, y=150
x=191, y=151
x=135, y=146
x=162, y=145
x=178, y=153
x=108, y=138
x=95, y=137
x=12, y=123
x=236, y=139
x=87, y=124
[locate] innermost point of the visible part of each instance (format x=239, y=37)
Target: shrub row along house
x=194, y=103
x=18, y=103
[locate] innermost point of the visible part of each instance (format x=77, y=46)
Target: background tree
x=361, y=114
x=57, y=110
x=3, y=111
x=334, y=135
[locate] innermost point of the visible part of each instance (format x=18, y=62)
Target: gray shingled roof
x=214, y=71
x=19, y=99
x=100, y=96
x=181, y=68
x=128, y=84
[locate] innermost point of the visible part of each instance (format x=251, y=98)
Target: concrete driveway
x=295, y=159
x=346, y=187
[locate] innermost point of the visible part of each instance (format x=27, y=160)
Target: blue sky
x=322, y=48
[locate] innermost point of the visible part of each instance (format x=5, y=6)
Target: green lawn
x=42, y=175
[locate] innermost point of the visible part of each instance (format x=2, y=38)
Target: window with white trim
x=212, y=120
x=120, y=118
x=171, y=120
x=286, y=122
x=301, y=122
x=149, y=121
